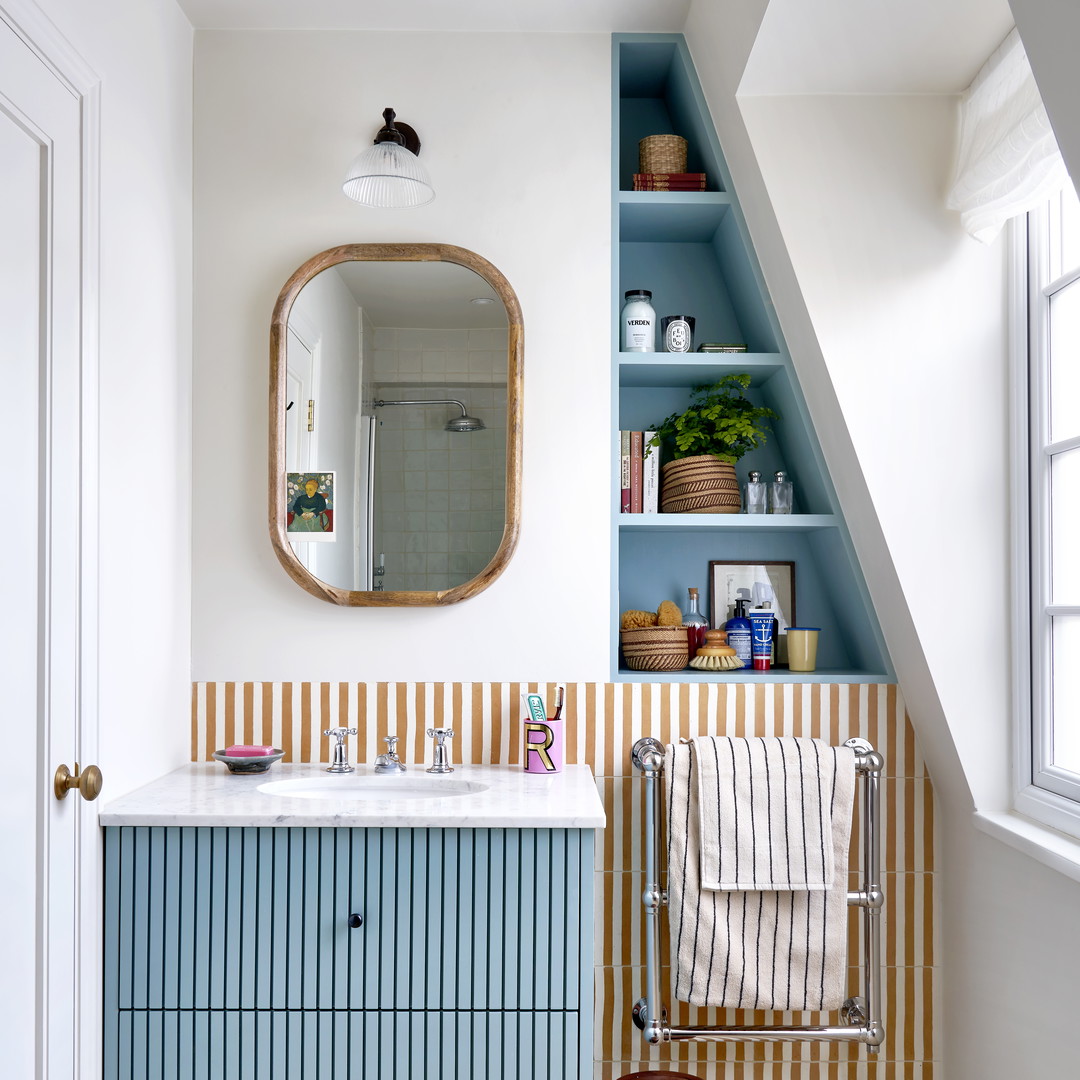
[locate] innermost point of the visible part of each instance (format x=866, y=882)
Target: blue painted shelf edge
x=777, y=675
x=688, y=522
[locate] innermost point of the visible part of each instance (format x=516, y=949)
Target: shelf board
x=671, y=217
x=693, y=369
x=665, y=523
x=777, y=675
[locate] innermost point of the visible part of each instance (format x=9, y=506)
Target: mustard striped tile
x=603, y=721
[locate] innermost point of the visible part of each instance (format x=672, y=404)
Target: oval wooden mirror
x=395, y=424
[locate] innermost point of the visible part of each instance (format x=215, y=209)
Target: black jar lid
x=637, y=292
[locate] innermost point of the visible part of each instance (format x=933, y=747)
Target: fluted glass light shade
x=389, y=174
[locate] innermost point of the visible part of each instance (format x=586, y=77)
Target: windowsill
x=1045, y=845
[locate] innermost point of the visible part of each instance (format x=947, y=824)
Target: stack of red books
x=687, y=181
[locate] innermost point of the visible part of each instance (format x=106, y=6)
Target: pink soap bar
x=248, y=751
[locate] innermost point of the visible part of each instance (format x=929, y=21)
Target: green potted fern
x=704, y=443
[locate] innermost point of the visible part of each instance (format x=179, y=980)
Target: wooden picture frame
x=277, y=512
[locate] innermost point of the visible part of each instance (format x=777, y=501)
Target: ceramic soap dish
x=246, y=764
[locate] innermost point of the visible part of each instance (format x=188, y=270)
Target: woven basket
x=662, y=154
x=655, y=648
x=699, y=485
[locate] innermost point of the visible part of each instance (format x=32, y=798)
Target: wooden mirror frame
x=278, y=343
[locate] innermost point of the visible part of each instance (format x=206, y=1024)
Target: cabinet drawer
x=257, y=918
x=304, y=1045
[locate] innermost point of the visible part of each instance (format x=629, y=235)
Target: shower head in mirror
x=464, y=422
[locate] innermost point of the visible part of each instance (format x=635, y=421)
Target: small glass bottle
x=696, y=624
x=638, y=322
x=754, y=494
x=780, y=494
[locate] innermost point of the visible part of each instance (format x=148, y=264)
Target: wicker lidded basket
x=655, y=648
x=662, y=154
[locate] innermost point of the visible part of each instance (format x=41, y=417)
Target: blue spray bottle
x=739, y=635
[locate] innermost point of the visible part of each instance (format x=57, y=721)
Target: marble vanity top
x=207, y=793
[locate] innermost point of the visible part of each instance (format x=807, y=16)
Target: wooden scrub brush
x=716, y=654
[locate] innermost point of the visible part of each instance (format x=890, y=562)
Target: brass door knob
x=88, y=782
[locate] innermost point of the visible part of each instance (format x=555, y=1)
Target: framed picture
x=309, y=506
x=754, y=582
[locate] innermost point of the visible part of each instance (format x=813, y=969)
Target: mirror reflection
x=396, y=425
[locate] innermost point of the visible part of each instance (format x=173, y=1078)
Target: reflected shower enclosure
x=436, y=486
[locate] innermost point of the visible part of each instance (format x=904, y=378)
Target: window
x=1049, y=588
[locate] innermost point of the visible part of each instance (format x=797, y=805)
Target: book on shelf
x=650, y=476
x=624, y=461
x=636, y=447
x=669, y=181
x=640, y=473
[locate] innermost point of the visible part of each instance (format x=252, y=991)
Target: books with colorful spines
x=636, y=448
x=624, y=460
x=650, y=476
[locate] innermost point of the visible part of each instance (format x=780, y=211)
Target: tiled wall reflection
x=440, y=495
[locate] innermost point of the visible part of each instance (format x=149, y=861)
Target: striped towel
x=762, y=949
x=766, y=810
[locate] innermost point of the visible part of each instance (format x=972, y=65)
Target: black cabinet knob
x=356, y=920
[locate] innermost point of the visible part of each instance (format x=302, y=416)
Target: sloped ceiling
x=873, y=46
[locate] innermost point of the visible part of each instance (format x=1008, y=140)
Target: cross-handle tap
x=340, y=764
x=441, y=758
x=389, y=762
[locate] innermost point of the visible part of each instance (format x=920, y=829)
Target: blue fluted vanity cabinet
x=229, y=953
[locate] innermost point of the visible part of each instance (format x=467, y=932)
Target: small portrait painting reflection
x=310, y=505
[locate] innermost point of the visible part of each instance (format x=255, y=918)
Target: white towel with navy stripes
x=765, y=809
x=766, y=946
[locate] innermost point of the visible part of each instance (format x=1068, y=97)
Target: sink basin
x=372, y=788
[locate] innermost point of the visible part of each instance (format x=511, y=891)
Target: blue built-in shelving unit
x=693, y=251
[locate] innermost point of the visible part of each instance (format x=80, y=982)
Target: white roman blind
x=1008, y=160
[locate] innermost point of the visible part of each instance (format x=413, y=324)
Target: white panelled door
x=41, y=332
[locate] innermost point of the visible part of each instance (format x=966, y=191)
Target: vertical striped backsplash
x=603, y=721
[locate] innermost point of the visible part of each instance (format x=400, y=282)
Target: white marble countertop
x=491, y=797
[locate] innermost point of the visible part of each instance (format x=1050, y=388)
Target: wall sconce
x=389, y=174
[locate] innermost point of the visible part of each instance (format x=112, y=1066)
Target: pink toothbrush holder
x=544, y=751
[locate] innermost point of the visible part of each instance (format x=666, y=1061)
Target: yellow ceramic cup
x=802, y=647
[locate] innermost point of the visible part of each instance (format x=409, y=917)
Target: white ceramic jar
x=638, y=322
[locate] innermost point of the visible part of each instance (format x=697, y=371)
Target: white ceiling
x=553, y=16
x=421, y=294
x=804, y=47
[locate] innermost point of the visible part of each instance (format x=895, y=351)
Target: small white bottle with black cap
x=638, y=322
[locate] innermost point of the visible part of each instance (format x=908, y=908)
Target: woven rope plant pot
x=699, y=485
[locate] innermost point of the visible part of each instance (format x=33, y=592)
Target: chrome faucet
x=389, y=762
x=441, y=759
x=340, y=764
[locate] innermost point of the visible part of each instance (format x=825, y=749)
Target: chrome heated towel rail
x=861, y=1015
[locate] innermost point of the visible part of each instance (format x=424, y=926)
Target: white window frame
x=1043, y=792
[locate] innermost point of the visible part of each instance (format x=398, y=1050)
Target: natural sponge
x=668, y=614
x=637, y=620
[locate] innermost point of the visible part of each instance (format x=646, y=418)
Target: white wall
x=515, y=133
x=329, y=308
x=142, y=52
